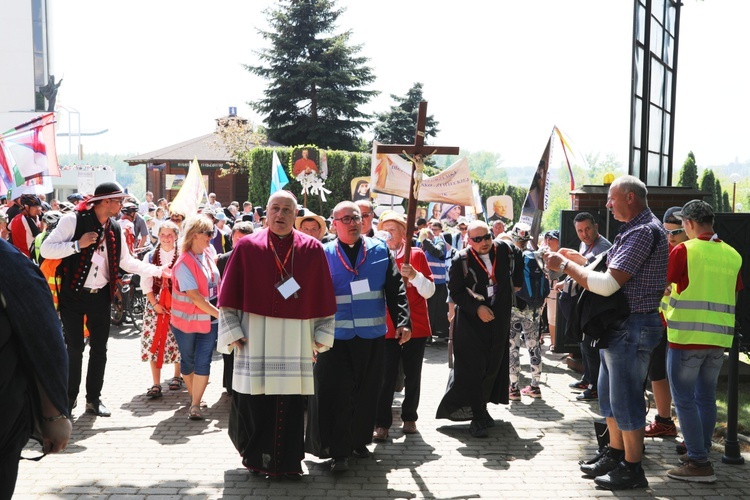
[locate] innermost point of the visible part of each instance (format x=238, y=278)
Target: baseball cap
x=220, y=216
x=697, y=210
x=552, y=234
x=129, y=208
x=669, y=216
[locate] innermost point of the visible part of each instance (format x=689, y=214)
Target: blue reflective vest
x=438, y=267
x=361, y=315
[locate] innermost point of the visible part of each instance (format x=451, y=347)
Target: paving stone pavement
x=149, y=449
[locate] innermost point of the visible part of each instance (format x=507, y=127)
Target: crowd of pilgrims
x=317, y=315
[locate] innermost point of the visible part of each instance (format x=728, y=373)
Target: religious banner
x=360, y=187
x=391, y=174
x=304, y=160
x=500, y=208
x=536, y=199
x=192, y=193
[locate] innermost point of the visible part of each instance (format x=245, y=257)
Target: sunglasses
x=367, y=215
x=479, y=239
x=675, y=232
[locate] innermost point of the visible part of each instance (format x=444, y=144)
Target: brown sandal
x=175, y=384
x=154, y=392
x=195, y=413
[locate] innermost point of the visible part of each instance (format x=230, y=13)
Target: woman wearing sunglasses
x=195, y=286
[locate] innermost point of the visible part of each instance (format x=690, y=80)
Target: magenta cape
x=251, y=275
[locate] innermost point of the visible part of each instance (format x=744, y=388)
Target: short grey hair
x=632, y=184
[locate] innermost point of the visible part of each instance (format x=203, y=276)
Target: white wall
x=16, y=60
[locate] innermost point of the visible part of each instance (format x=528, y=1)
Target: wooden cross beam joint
x=417, y=153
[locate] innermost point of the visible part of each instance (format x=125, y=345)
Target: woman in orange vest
x=195, y=286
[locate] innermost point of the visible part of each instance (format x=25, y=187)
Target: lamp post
x=734, y=179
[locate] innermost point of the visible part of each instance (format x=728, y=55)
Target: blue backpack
x=535, y=286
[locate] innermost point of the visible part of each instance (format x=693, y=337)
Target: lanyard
x=208, y=269
x=346, y=265
x=481, y=263
x=282, y=265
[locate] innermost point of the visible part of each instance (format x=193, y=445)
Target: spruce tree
x=315, y=78
x=399, y=125
x=719, y=207
x=689, y=172
x=725, y=202
x=708, y=184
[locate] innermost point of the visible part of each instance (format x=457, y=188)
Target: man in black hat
x=93, y=249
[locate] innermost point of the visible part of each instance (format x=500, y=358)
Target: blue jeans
x=624, y=368
x=196, y=350
x=692, y=379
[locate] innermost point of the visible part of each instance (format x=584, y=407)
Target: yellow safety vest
x=703, y=313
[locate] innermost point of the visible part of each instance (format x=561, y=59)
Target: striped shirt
x=632, y=253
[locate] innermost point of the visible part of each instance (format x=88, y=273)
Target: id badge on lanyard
x=288, y=287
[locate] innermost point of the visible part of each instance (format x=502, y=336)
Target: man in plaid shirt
x=637, y=263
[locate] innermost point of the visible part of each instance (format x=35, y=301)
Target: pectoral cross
x=417, y=153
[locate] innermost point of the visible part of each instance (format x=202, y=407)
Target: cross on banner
x=416, y=153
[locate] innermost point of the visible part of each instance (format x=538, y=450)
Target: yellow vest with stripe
x=703, y=313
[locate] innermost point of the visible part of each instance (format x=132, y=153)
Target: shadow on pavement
x=503, y=441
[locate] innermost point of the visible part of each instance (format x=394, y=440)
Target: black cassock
x=480, y=370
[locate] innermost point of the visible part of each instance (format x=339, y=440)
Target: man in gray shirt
x=592, y=244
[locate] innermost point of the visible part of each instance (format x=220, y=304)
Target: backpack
x=535, y=287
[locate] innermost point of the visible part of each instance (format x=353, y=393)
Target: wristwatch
x=564, y=265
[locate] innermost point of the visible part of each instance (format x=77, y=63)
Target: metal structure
x=656, y=30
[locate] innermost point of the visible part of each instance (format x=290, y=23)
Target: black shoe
x=681, y=448
x=361, y=452
x=339, y=465
x=478, y=428
x=601, y=466
x=588, y=395
x=97, y=408
x=487, y=419
x=623, y=478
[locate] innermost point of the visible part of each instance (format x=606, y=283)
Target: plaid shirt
x=631, y=254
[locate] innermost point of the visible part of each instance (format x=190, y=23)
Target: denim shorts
x=624, y=368
x=196, y=350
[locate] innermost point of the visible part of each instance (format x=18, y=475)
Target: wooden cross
x=417, y=153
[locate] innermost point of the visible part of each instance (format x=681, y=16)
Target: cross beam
x=417, y=153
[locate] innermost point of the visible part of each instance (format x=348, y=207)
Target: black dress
x=481, y=373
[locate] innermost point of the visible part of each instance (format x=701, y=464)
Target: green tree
x=237, y=136
x=316, y=79
x=725, y=202
x=399, y=124
x=719, y=207
x=708, y=185
x=689, y=172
